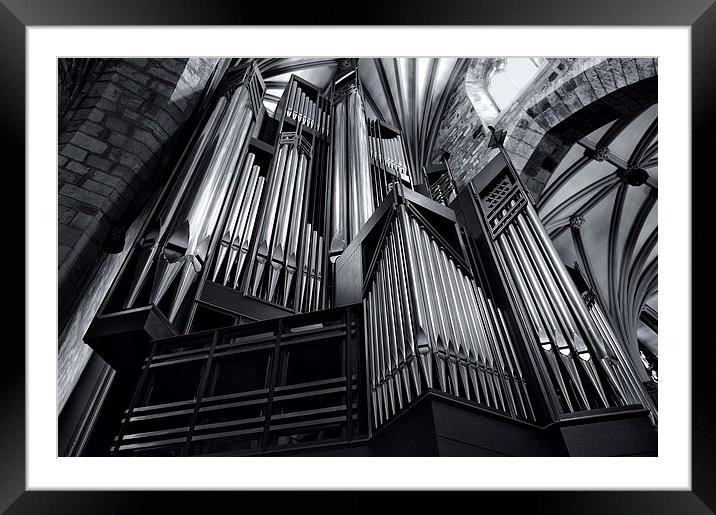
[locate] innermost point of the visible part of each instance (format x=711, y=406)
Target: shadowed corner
x=12, y=382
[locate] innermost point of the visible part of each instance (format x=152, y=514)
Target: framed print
x=358, y=258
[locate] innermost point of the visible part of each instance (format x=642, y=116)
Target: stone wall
x=461, y=130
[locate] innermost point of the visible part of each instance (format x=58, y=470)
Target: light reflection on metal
x=176, y=244
x=150, y=244
x=428, y=321
x=587, y=374
x=429, y=326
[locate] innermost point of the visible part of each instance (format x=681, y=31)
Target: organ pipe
x=175, y=246
x=253, y=218
x=421, y=303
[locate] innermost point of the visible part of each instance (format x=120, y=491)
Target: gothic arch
x=561, y=116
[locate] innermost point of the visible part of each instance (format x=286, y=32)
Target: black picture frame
x=17, y=15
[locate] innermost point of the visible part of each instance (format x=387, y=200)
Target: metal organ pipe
x=360, y=149
x=426, y=323
x=352, y=195
x=267, y=222
x=585, y=356
x=354, y=223
x=152, y=241
x=278, y=246
x=187, y=248
x=554, y=312
x=338, y=174
x=421, y=339
x=549, y=316
x=242, y=241
x=192, y=269
x=294, y=231
x=228, y=234
x=545, y=342
x=319, y=273
x=424, y=317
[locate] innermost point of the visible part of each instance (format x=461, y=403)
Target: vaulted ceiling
x=607, y=226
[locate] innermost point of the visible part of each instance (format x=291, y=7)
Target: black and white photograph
x=354, y=256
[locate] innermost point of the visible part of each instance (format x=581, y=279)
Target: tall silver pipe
x=365, y=182
x=610, y=361
x=470, y=334
x=312, y=271
x=508, y=372
x=536, y=282
x=533, y=317
x=353, y=171
x=384, y=350
x=401, y=154
x=519, y=377
x=307, y=110
x=277, y=256
x=237, y=231
x=456, y=314
x=513, y=270
x=585, y=356
x=445, y=315
x=410, y=349
x=396, y=156
x=236, y=208
x=275, y=181
x=306, y=248
x=295, y=225
x=631, y=387
x=151, y=242
x=492, y=355
x=248, y=229
x=549, y=283
x=377, y=352
x=391, y=275
x=203, y=213
x=319, y=273
x=387, y=158
x=555, y=263
x=430, y=302
x=338, y=173
x=391, y=154
x=291, y=99
x=300, y=108
x=393, y=336
x=491, y=386
x=199, y=248
x=478, y=340
x=580, y=346
x=536, y=286
x=304, y=110
x=421, y=339
x=193, y=209
x=367, y=318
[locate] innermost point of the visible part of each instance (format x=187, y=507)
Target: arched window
x=510, y=76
